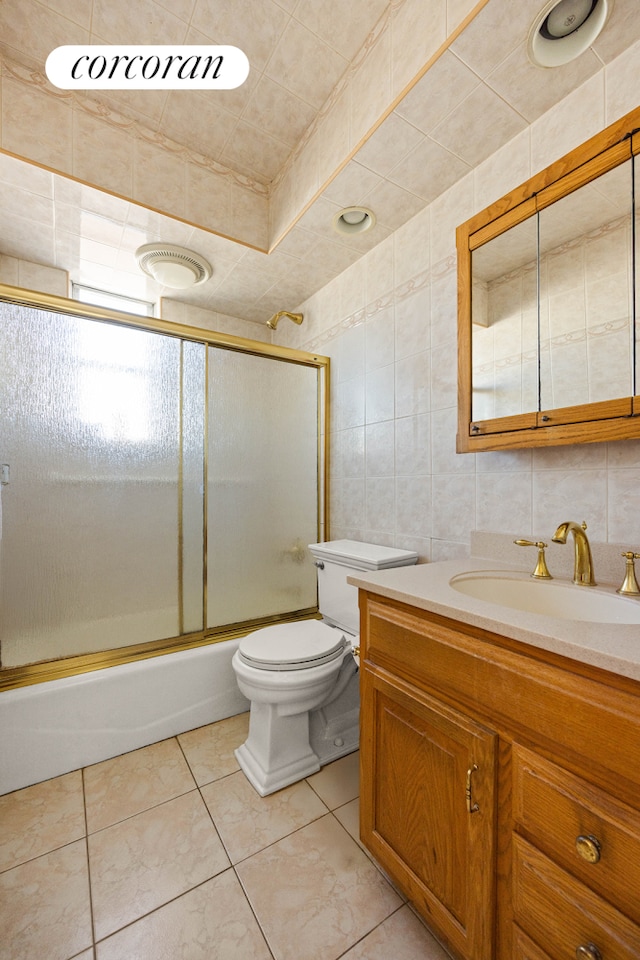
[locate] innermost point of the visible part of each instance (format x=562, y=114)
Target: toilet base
x=280, y=750
x=277, y=752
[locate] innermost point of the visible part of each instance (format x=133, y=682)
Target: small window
x=115, y=301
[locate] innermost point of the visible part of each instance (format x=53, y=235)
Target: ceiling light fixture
x=354, y=220
x=564, y=29
x=173, y=266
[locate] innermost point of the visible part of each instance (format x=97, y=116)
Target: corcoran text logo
x=147, y=67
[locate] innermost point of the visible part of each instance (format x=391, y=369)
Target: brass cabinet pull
x=588, y=848
x=588, y=951
x=471, y=807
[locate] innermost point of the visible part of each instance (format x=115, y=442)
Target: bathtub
x=52, y=728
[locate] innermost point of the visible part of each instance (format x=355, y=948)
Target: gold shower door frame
x=42, y=671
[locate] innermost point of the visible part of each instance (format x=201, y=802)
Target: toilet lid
x=292, y=646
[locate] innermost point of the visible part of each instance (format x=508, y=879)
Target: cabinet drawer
x=524, y=948
x=553, y=809
x=560, y=914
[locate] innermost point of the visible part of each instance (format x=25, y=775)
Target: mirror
x=586, y=293
x=549, y=334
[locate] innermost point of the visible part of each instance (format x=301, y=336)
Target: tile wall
x=389, y=325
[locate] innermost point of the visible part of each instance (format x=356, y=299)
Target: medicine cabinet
x=548, y=314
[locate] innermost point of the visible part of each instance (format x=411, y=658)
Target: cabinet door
x=427, y=808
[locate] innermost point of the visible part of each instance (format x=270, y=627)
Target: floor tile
x=142, y=863
x=248, y=822
x=212, y=922
x=41, y=818
x=119, y=788
x=315, y=893
x=401, y=936
x=338, y=782
x=349, y=817
x=209, y=750
x=44, y=906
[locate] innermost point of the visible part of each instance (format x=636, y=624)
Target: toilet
x=302, y=677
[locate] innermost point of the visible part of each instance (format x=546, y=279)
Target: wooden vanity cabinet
x=500, y=788
x=427, y=763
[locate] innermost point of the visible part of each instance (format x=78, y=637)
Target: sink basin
x=551, y=598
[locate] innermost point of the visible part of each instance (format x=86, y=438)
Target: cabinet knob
x=588, y=848
x=588, y=951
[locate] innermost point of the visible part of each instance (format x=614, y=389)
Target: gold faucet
x=583, y=564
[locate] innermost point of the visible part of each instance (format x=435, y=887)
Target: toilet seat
x=292, y=646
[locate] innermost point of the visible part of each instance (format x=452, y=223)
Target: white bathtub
x=48, y=729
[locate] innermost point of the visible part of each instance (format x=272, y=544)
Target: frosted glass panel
x=262, y=490
x=192, y=492
x=90, y=426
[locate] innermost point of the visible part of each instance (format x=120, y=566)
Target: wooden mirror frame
x=617, y=419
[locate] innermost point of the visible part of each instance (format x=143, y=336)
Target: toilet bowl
x=302, y=677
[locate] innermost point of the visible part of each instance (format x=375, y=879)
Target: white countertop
x=610, y=646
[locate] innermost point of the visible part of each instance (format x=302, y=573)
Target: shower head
x=273, y=323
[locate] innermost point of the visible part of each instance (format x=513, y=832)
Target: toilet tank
x=338, y=559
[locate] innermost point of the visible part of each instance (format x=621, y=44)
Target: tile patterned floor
x=167, y=853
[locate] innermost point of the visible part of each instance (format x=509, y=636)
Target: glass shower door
x=262, y=497
x=90, y=428
x=159, y=488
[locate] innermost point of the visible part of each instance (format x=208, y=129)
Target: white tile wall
x=389, y=325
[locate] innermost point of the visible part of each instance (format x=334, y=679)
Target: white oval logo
x=147, y=67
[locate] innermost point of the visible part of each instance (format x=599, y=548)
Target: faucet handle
x=629, y=585
x=541, y=571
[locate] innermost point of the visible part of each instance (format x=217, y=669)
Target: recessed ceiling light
x=564, y=29
x=173, y=266
x=354, y=220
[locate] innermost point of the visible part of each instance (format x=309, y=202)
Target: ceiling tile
x=429, y=170
x=278, y=112
x=146, y=109
x=253, y=153
x=352, y=185
x=494, y=33
x=79, y=11
x=141, y=22
x=298, y=243
x=439, y=92
x=533, y=90
x=478, y=126
x=255, y=26
x=179, y=8
x=347, y=34
x=319, y=218
x=392, y=205
x=392, y=141
x=621, y=30
x=28, y=27
x=305, y=65
x=198, y=122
